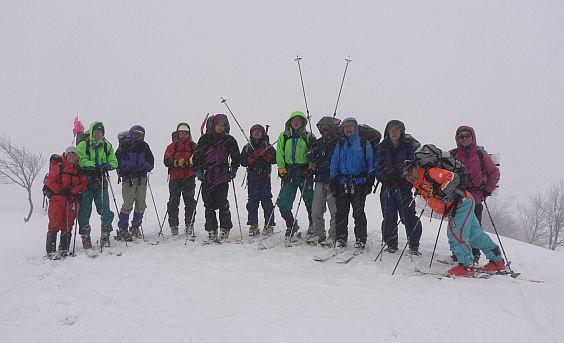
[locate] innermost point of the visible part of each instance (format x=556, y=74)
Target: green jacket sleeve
x=84, y=160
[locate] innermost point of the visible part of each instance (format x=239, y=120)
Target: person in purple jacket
x=483, y=173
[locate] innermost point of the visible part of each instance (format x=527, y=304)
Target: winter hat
x=183, y=127
x=349, y=121
x=71, y=149
x=98, y=126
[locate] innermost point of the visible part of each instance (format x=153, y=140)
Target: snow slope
x=233, y=292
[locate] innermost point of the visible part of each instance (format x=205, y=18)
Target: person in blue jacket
x=395, y=195
x=351, y=180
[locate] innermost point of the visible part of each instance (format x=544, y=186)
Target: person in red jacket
x=66, y=182
x=182, y=178
x=440, y=188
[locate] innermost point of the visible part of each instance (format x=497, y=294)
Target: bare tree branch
x=19, y=166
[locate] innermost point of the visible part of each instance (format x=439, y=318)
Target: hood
x=91, y=129
x=254, y=127
x=469, y=129
x=292, y=116
x=136, y=128
x=391, y=123
x=220, y=118
x=327, y=120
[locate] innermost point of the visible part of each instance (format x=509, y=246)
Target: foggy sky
x=497, y=66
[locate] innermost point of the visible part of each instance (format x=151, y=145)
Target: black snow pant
x=176, y=188
x=215, y=198
x=344, y=202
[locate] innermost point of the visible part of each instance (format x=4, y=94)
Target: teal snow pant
x=288, y=195
x=102, y=201
x=465, y=233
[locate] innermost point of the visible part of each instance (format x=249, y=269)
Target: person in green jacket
x=96, y=158
x=294, y=169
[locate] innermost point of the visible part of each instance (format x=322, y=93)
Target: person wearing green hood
x=294, y=169
x=96, y=158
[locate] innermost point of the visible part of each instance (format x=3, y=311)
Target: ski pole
x=75, y=230
x=113, y=197
x=513, y=274
x=237, y=208
x=385, y=244
x=191, y=225
x=298, y=59
x=436, y=240
x=154, y=204
x=275, y=203
x=162, y=225
x=297, y=211
x=401, y=255
x=224, y=101
x=348, y=60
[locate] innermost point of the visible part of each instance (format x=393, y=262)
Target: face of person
x=464, y=138
x=296, y=122
x=348, y=130
x=412, y=175
x=183, y=135
x=97, y=134
x=395, y=134
x=138, y=136
x=72, y=158
x=325, y=129
x=220, y=127
x=256, y=134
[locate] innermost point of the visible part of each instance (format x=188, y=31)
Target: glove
x=65, y=191
x=105, y=167
x=308, y=172
x=448, y=198
x=431, y=192
x=233, y=173
x=200, y=175
x=145, y=168
x=180, y=163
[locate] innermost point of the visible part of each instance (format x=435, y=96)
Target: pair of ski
x=342, y=256
x=274, y=240
x=478, y=275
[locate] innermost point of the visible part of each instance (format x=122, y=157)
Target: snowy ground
x=234, y=292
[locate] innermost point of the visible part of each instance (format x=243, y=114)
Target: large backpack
x=367, y=134
x=53, y=160
x=429, y=156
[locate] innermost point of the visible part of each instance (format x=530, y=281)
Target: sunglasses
x=464, y=135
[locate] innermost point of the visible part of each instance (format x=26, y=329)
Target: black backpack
x=53, y=160
x=429, y=156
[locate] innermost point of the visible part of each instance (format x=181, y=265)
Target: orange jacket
x=447, y=182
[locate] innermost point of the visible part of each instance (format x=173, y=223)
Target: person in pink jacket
x=483, y=173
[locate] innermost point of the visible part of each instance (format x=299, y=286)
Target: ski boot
x=328, y=243
x=135, y=232
x=224, y=235
x=461, y=270
x=254, y=231
x=359, y=245
x=314, y=240
x=64, y=243
x=86, y=242
x=267, y=231
x=105, y=239
x=212, y=236
x=189, y=230
x=124, y=235
x=174, y=230
x=391, y=250
x=340, y=244
x=494, y=267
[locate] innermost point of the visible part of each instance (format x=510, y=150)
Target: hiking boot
x=224, y=234
x=414, y=252
x=189, y=230
x=494, y=267
x=212, y=236
x=86, y=242
x=329, y=242
x=314, y=240
x=124, y=234
x=64, y=243
x=254, y=230
x=105, y=239
x=174, y=230
x=359, y=245
x=341, y=244
x=51, y=243
x=463, y=271
x=267, y=231
x=135, y=232
x=391, y=250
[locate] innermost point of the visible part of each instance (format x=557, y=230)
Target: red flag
x=204, y=124
x=78, y=127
